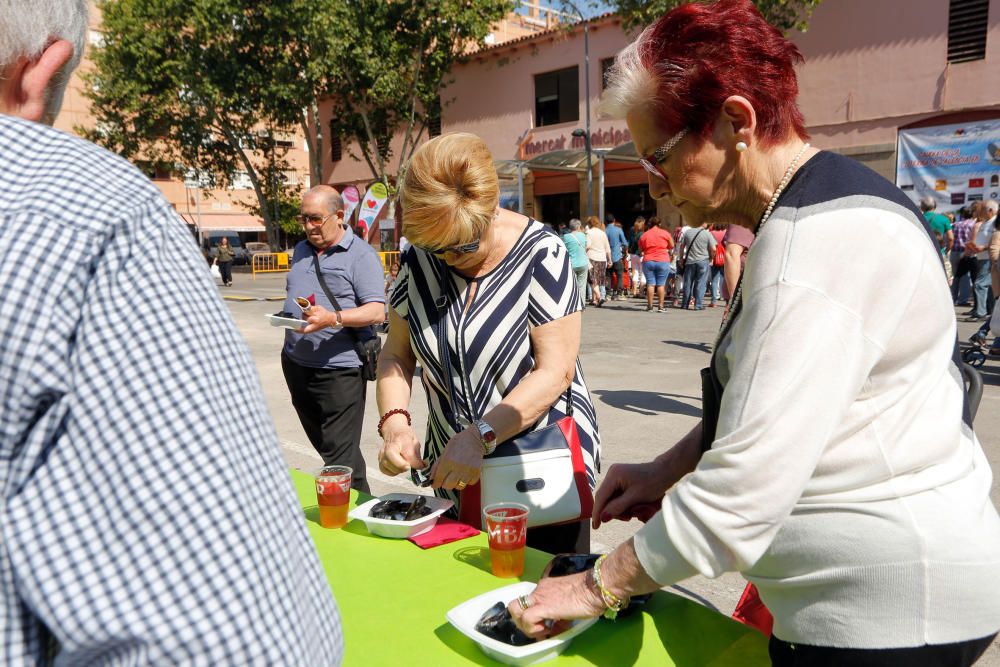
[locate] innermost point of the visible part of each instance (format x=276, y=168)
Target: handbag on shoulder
x=543, y=469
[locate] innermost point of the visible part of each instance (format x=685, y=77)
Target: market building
x=872, y=70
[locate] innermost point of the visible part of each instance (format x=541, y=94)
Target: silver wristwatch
x=487, y=437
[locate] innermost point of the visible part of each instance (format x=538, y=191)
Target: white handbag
x=543, y=469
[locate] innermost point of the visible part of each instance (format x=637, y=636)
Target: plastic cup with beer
x=333, y=494
x=507, y=529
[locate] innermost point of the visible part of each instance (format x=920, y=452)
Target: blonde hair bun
x=450, y=191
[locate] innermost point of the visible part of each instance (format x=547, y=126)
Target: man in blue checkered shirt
x=146, y=516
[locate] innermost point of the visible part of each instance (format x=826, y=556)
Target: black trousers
x=966, y=265
x=226, y=271
x=330, y=403
x=959, y=654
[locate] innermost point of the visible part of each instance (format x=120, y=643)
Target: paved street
x=642, y=369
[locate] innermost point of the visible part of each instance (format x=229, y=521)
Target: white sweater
x=842, y=481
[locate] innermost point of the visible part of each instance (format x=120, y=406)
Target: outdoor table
x=393, y=597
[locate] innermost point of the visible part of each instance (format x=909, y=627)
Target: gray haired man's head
x=328, y=197
x=41, y=43
x=928, y=203
x=991, y=207
x=575, y=224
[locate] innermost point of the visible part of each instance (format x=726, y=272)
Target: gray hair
x=927, y=203
x=575, y=224
x=630, y=85
x=992, y=206
x=330, y=197
x=28, y=26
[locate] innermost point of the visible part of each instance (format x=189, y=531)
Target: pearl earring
x=741, y=146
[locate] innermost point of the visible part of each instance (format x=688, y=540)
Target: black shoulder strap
x=351, y=331
x=687, y=250
x=441, y=331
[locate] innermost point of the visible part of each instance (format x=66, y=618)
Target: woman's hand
x=630, y=490
x=637, y=489
x=554, y=603
x=459, y=463
x=400, y=450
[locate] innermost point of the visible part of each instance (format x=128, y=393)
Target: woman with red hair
x=835, y=465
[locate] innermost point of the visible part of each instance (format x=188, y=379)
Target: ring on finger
x=523, y=601
x=461, y=485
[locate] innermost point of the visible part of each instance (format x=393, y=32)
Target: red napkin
x=446, y=530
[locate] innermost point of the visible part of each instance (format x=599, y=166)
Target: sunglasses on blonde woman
x=464, y=249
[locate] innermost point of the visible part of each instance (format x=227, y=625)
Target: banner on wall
x=351, y=198
x=372, y=203
x=955, y=164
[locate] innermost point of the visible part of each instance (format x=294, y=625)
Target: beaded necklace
x=738, y=297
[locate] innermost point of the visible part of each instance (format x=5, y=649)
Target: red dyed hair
x=700, y=54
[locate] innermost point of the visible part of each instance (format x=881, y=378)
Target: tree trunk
x=314, y=140
x=270, y=224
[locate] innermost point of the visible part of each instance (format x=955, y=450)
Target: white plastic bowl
x=400, y=529
x=465, y=616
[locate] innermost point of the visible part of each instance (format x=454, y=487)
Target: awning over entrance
x=233, y=222
x=507, y=168
x=623, y=153
x=567, y=160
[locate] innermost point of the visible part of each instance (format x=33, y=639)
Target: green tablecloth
x=393, y=597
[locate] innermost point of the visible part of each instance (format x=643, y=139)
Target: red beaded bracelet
x=397, y=411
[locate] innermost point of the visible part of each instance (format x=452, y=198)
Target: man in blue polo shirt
x=321, y=365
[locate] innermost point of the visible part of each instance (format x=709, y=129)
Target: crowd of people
x=970, y=250
x=680, y=266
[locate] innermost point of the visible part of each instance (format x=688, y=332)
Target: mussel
x=401, y=510
x=497, y=624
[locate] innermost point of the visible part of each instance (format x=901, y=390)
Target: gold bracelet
x=613, y=603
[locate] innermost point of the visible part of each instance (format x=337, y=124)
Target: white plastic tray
x=465, y=616
x=286, y=322
x=400, y=529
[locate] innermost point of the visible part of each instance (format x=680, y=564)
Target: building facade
x=871, y=69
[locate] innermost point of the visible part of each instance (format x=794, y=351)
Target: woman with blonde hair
x=599, y=254
x=487, y=302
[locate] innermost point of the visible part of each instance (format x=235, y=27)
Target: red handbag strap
x=470, y=498
x=470, y=510
x=569, y=430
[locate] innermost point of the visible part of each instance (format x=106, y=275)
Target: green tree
x=783, y=14
x=197, y=83
x=210, y=84
x=383, y=65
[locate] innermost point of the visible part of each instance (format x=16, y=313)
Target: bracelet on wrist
x=612, y=602
x=390, y=413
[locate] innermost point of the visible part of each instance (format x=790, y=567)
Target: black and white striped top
x=532, y=286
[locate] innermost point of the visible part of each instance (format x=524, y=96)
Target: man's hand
x=318, y=318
